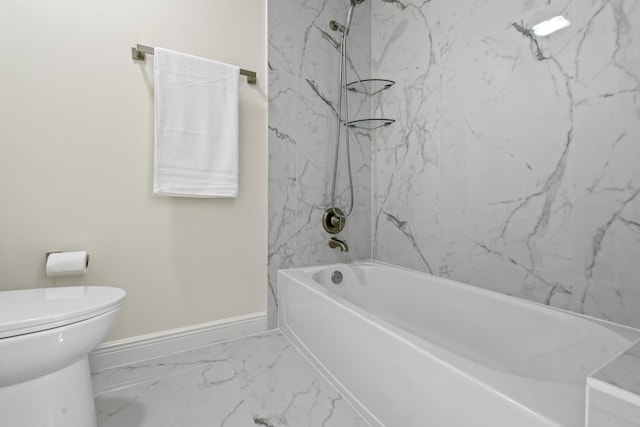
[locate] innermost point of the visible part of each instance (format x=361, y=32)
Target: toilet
x=45, y=339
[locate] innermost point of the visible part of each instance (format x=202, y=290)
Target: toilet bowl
x=45, y=339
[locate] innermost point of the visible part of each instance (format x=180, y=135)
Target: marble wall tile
x=304, y=71
x=406, y=154
x=607, y=179
x=285, y=38
x=282, y=199
x=513, y=165
x=508, y=106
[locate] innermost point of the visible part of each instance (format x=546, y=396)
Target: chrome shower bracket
x=332, y=223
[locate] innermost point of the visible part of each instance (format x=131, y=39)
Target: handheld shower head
x=347, y=24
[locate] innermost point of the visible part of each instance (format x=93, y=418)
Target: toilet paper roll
x=67, y=263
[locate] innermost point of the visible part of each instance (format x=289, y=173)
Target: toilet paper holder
x=46, y=257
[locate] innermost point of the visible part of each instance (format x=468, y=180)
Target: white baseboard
x=130, y=350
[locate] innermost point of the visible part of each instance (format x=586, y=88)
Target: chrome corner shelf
x=370, y=124
x=370, y=86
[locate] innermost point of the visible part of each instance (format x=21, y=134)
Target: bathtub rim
x=304, y=276
x=382, y=325
x=629, y=332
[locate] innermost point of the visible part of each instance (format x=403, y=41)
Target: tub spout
x=337, y=243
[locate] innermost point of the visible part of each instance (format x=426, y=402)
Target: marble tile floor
x=261, y=380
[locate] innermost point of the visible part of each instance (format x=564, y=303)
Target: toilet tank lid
x=31, y=310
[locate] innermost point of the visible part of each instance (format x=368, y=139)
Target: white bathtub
x=411, y=349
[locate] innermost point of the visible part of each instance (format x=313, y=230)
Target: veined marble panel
x=507, y=99
x=607, y=180
x=406, y=154
x=282, y=202
x=514, y=163
x=304, y=57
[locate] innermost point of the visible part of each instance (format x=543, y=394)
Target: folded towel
x=196, y=126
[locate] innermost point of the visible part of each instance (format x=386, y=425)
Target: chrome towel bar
x=138, y=53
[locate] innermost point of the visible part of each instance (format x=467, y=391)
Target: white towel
x=196, y=126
